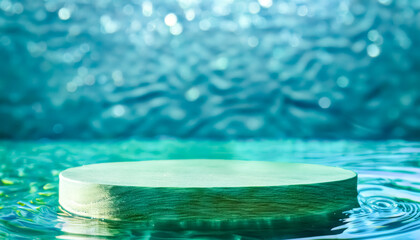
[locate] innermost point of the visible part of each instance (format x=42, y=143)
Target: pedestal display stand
x=206, y=192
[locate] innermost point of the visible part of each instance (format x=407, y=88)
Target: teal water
x=220, y=70
x=389, y=187
x=210, y=69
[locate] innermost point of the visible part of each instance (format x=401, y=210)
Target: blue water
x=79, y=79
x=213, y=69
x=389, y=187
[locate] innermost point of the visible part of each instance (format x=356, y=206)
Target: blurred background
x=210, y=69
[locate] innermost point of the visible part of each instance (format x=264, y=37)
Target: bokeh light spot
x=64, y=14
x=342, y=81
x=324, y=102
x=265, y=3
x=373, y=50
x=118, y=110
x=147, y=8
x=171, y=19
x=192, y=94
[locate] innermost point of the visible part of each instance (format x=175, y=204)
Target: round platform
x=199, y=190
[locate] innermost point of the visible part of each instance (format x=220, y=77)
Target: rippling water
x=210, y=69
x=389, y=187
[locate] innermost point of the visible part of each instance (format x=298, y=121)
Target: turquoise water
x=389, y=187
x=221, y=70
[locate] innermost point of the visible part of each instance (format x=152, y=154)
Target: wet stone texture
x=210, y=69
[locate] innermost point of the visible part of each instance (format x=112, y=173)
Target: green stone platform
x=200, y=191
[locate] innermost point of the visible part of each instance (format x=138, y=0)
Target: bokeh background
x=226, y=69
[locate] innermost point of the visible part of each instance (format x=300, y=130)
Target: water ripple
x=226, y=69
x=380, y=216
x=389, y=188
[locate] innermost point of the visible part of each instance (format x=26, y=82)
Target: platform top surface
x=203, y=173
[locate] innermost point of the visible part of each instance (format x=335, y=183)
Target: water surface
x=225, y=69
x=389, y=187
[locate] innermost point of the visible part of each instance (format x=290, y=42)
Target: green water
x=389, y=187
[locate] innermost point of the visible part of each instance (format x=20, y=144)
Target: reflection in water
x=291, y=227
x=389, y=188
x=377, y=216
